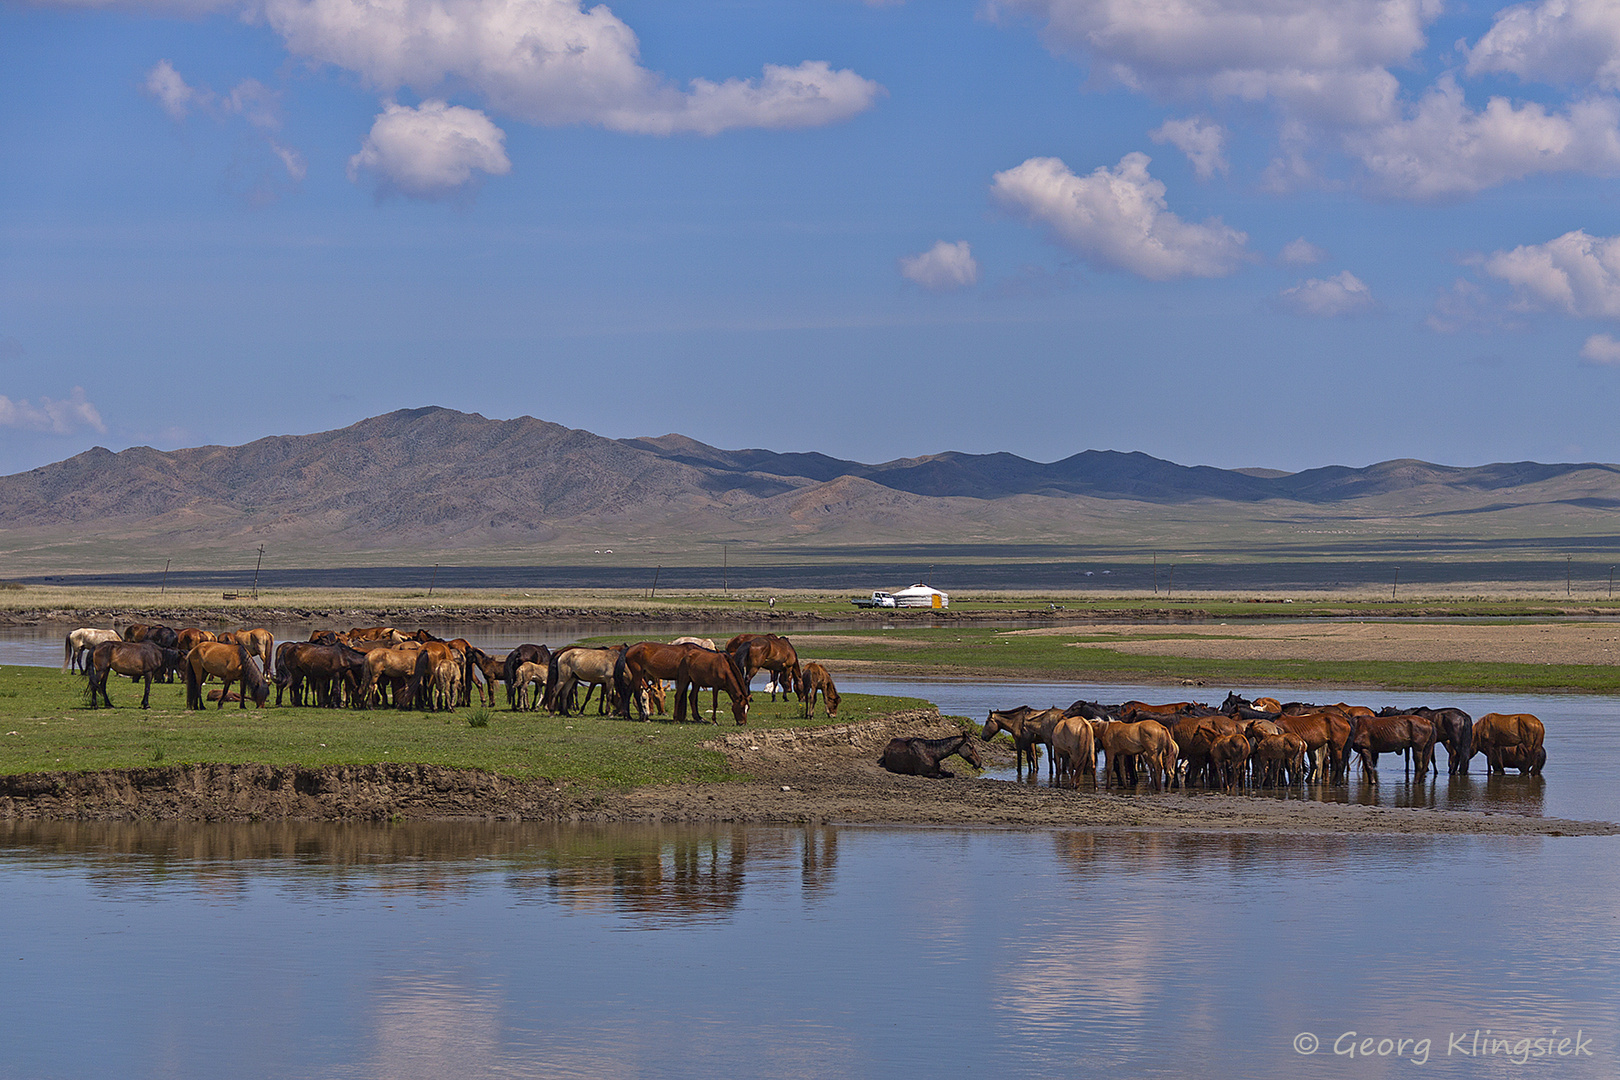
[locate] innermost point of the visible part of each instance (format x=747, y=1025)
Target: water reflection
x=469, y=949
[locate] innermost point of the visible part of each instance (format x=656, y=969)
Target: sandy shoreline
x=823, y=776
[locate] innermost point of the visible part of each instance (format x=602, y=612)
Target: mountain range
x=423, y=481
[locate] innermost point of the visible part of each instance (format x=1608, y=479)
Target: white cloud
x=1444, y=149
x=1601, y=349
x=1300, y=252
x=1118, y=218
x=1574, y=273
x=430, y=151
x=1568, y=42
x=1203, y=141
x=1342, y=294
x=550, y=62
x=53, y=417
x=165, y=84
x=1329, y=61
x=943, y=266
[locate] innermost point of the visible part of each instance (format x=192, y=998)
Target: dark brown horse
x=137, y=659
x=921, y=757
x=768, y=652
x=1374, y=735
x=228, y=663
x=700, y=669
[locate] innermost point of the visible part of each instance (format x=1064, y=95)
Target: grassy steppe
x=44, y=727
x=1083, y=656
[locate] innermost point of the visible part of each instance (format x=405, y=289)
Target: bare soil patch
x=822, y=776
x=1550, y=643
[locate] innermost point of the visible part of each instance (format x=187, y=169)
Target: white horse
x=80, y=642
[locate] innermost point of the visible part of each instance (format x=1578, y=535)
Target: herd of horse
x=1260, y=743
x=381, y=666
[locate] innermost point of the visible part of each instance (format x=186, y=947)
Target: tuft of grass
x=478, y=716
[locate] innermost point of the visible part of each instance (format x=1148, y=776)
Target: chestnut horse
x=768, y=652
x=699, y=669
x=229, y=663
x=643, y=663
x=816, y=680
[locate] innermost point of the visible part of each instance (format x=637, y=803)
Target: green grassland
x=1084, y=656
x=45, y=726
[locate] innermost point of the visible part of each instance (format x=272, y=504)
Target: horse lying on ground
x=921, y=757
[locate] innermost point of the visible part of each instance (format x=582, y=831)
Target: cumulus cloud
x=1204, y=143
x=1329, y=61
x=1568, y=42
x=1601, y=349
x=430, y=151
x=942, y=267
x=552, y=62
x=1300, y=252
x=1444, y=149
x=1118, y=218
x=50, y=416
x=1574, y=273
x=1342, y=294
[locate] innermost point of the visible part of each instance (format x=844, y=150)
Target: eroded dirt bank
x=823, y=776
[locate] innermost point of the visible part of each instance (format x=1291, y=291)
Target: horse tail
x=621, y=681
x=509, y=676
x=193, y=686
x=553, y=673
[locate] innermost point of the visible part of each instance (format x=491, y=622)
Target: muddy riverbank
x=815, y=776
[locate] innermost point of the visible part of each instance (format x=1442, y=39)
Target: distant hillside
x=435, y=480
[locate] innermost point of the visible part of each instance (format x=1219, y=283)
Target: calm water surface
x=456, y=950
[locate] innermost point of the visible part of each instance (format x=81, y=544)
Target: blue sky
x=1236, y=232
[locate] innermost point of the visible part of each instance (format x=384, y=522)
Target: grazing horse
x=228, y=663
x=768, y=652
x=1495, y=734
x=921, y=757
x=523, y=654
x=137, y=659
x=81, y=641
x=816, y=680
x=700, y=669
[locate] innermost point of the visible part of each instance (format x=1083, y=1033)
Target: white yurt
x=920, y=595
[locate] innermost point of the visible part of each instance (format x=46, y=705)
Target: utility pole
x=1155, y=573
x=1611, y=583
x=165, y=586
x=1569, y=566
x=434, y=580
x=725, y=570
x=1397, y=584
x=256, y=572
x=654, y=594
x=1170, y=586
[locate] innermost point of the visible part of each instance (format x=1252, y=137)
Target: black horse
x=921, y=757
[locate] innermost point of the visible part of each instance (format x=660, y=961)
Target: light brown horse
x=700, y=669
x=528, y=675
x=227, y=663
x=405, y=670
x=1148, y=740
x=259, y=643
x=816, y=680
x=1074, y=749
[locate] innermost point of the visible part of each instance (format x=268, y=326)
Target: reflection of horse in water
x=921, y=757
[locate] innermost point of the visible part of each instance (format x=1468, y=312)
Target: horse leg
x=146, y=698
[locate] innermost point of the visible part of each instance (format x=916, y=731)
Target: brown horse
x=1013, y=722
x=1074, y=749
x=1374, y=735
x=644, y=662
x=816, y=680
x=1148, y=740
x=700, y=669
x=1495, y=733
x=768, y=652
x=405, y=669
x=921, y=757
x=137, y=659
x=228, y=663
